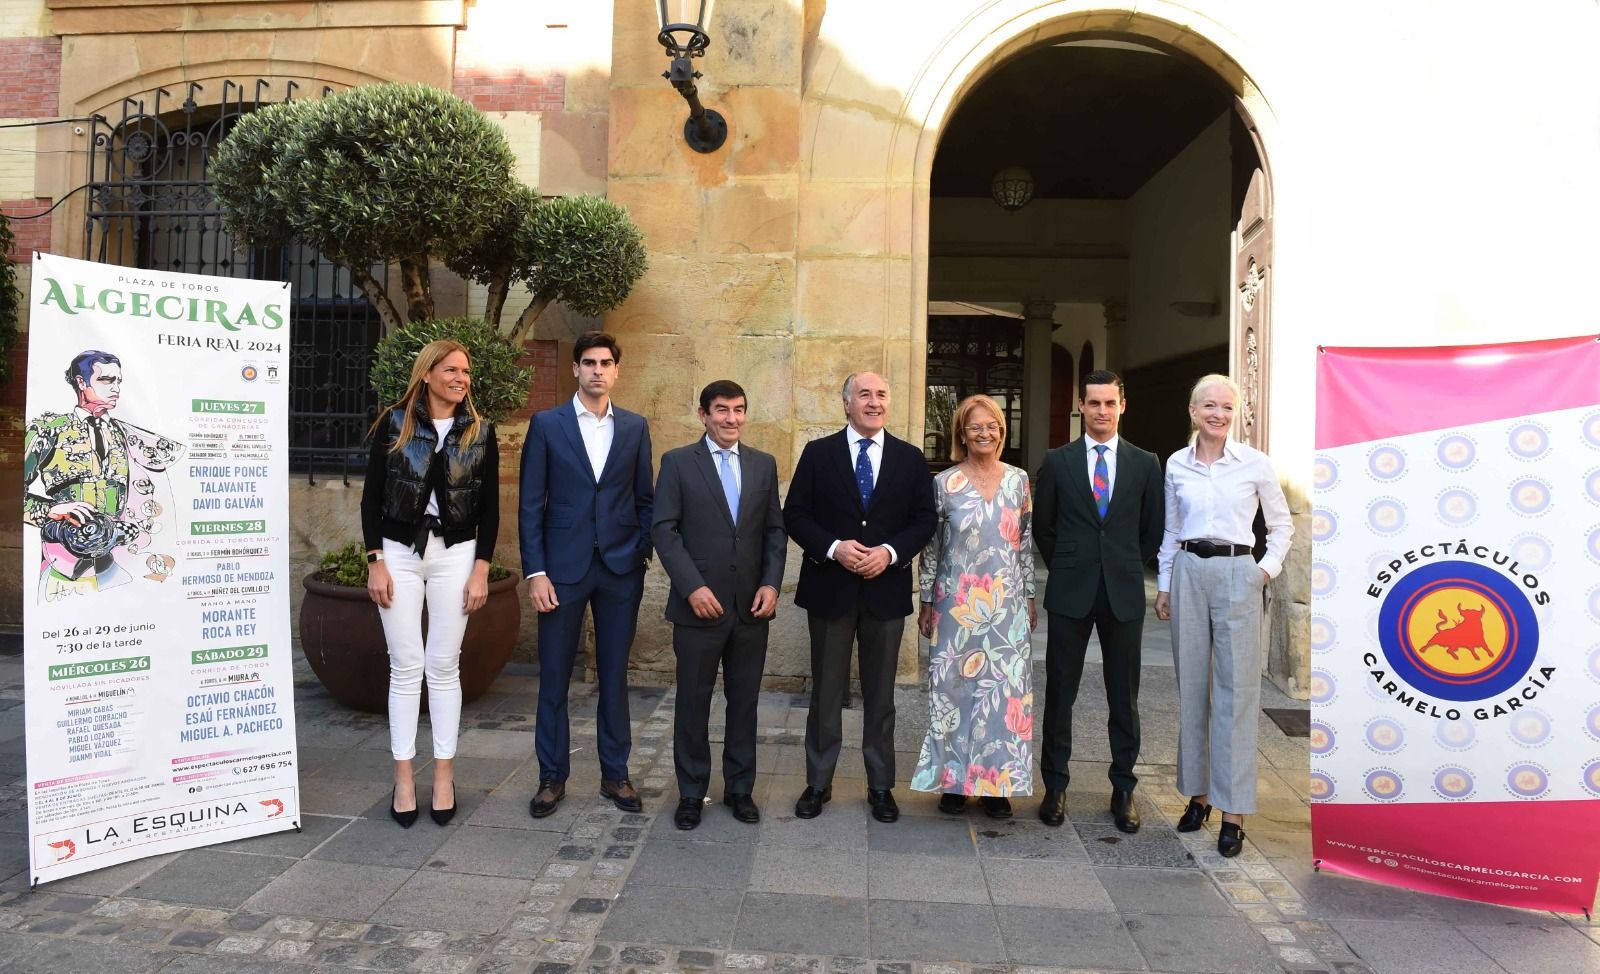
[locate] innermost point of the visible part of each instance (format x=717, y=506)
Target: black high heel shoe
x=1194, y=816
x=406, y=819
x=1230, y=839
x=442, y=816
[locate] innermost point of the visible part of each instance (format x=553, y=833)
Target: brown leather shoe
x=549, y=796
x=622, y=794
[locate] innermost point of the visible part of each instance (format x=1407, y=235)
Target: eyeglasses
x=975, y=429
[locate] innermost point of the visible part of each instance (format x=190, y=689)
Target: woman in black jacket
x=429, y=515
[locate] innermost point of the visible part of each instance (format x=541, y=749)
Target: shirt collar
x=577, y=406
x=86, y=416
x=1111, y=445
x=1230, y=451
x=715, y=449
x=854, y=437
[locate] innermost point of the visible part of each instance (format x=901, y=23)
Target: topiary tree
x=10, y=299
x=499, y=384
x=409, y=174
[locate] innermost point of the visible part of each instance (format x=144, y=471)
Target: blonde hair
x=427, y=359
x=958, y=423
x=1205, y=382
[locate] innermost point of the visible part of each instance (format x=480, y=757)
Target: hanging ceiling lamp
x=1012, y=188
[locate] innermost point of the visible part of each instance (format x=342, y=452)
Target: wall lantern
x=1012, y=188
x=685, y=40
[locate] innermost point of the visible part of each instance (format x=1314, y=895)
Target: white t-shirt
x=443, y=427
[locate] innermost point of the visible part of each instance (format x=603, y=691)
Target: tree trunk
x=524, y=325
x=419, y=287
x=499, y=287
x=387, y=312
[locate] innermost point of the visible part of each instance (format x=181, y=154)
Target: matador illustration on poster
x=95, y=487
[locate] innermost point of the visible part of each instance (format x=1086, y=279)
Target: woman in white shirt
x=1210, y=588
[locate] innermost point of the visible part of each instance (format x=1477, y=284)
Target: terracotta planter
x=342, y=638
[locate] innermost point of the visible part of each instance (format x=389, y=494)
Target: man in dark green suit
x=1097, y=518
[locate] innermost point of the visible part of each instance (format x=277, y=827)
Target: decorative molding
x=1250, y=287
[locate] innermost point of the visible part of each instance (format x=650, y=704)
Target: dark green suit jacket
x=1079, y=548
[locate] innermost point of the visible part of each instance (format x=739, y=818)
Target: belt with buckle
x=1207, y=548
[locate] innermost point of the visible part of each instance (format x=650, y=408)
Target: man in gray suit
x=719, y=531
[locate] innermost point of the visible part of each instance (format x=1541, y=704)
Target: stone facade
x=800, y=251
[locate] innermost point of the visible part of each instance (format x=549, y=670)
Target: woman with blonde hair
x=429, y=514
x=1210, y=589
x=978, y=611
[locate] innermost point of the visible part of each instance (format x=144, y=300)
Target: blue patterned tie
x=1102, y=481
x=864, y=474
x=730, y=486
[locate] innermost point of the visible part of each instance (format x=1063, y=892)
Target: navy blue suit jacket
x=567, y=518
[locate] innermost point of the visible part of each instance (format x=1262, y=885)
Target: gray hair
x=849, y=386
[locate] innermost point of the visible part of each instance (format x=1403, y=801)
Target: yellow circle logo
x=1456, y=632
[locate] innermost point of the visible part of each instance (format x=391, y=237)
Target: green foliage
x=347, y=566
x=584, y=251
x=10, y=300
x=369, y=175
x=499, y=385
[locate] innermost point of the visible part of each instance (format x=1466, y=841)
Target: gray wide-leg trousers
x=1216, y=646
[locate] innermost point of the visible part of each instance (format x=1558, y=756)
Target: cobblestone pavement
x=591, y=889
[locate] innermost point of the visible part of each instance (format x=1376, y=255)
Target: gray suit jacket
x=699, y=542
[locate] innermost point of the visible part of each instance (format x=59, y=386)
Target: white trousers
x=438, y=578
x=1216, y=645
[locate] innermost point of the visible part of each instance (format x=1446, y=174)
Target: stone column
x=1038, y=322
x=1116, y=351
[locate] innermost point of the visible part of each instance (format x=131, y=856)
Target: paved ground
x=591, y=889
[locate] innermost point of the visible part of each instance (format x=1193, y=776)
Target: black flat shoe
x=406, y=819
x=1194, y=816
x=1230, y=840
x=744, y=807
x=952, y=804
x=1123, y=812
x=687, y=817
x=810, y=802
x=996, y=807
x=883, y=805
x=1053, y=810
x=442, y=816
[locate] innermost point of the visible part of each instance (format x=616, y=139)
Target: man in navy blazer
x=585, y=530
x=861, y=507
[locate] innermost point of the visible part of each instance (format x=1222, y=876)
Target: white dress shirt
x=733, y=460
x=1218, y=502
x=1089, y=444
x=597, y=432
x=875, y=459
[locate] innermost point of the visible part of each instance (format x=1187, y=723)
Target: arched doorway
x=1146, y=233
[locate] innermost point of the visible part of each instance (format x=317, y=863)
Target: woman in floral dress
x=978, y=611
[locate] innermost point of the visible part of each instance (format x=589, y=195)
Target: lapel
x=621, y=428
x=884, y=468
x=707, y=464
x=567, y=419
x=1077, y=459
x=844, y=462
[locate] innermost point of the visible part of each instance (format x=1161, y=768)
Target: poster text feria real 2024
x=159, y=683
x=1455, y=629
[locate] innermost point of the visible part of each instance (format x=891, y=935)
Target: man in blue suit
x=585, y=530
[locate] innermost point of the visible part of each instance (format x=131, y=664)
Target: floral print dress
x=977, y=571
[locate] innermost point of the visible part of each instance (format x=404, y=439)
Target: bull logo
x=1466, y=633
x=70, y=846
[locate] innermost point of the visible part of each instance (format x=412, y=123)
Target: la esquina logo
x=1459, y=637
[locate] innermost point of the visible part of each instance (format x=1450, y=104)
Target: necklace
x=982, y=480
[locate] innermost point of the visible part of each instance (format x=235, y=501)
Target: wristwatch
x=373, y=556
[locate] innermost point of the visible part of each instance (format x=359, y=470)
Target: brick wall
x=31, y=234
x=509, y=90
x=30, y=77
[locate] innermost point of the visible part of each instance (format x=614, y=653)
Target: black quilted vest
x=405, y=498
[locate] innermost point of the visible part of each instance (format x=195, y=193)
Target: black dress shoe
x=952, y=804
x=810, y=802
x=406, y=819
x=996, y=807
x=622, y=794
x=1053, y=810
x=548, y=797
x=1123, y=813
x=688, y=814
x=1194, y=816
x=883, y=805
x=1230, y=839
x=744, y=807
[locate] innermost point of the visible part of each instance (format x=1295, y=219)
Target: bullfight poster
x=157, y=667
x=1455, y=629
